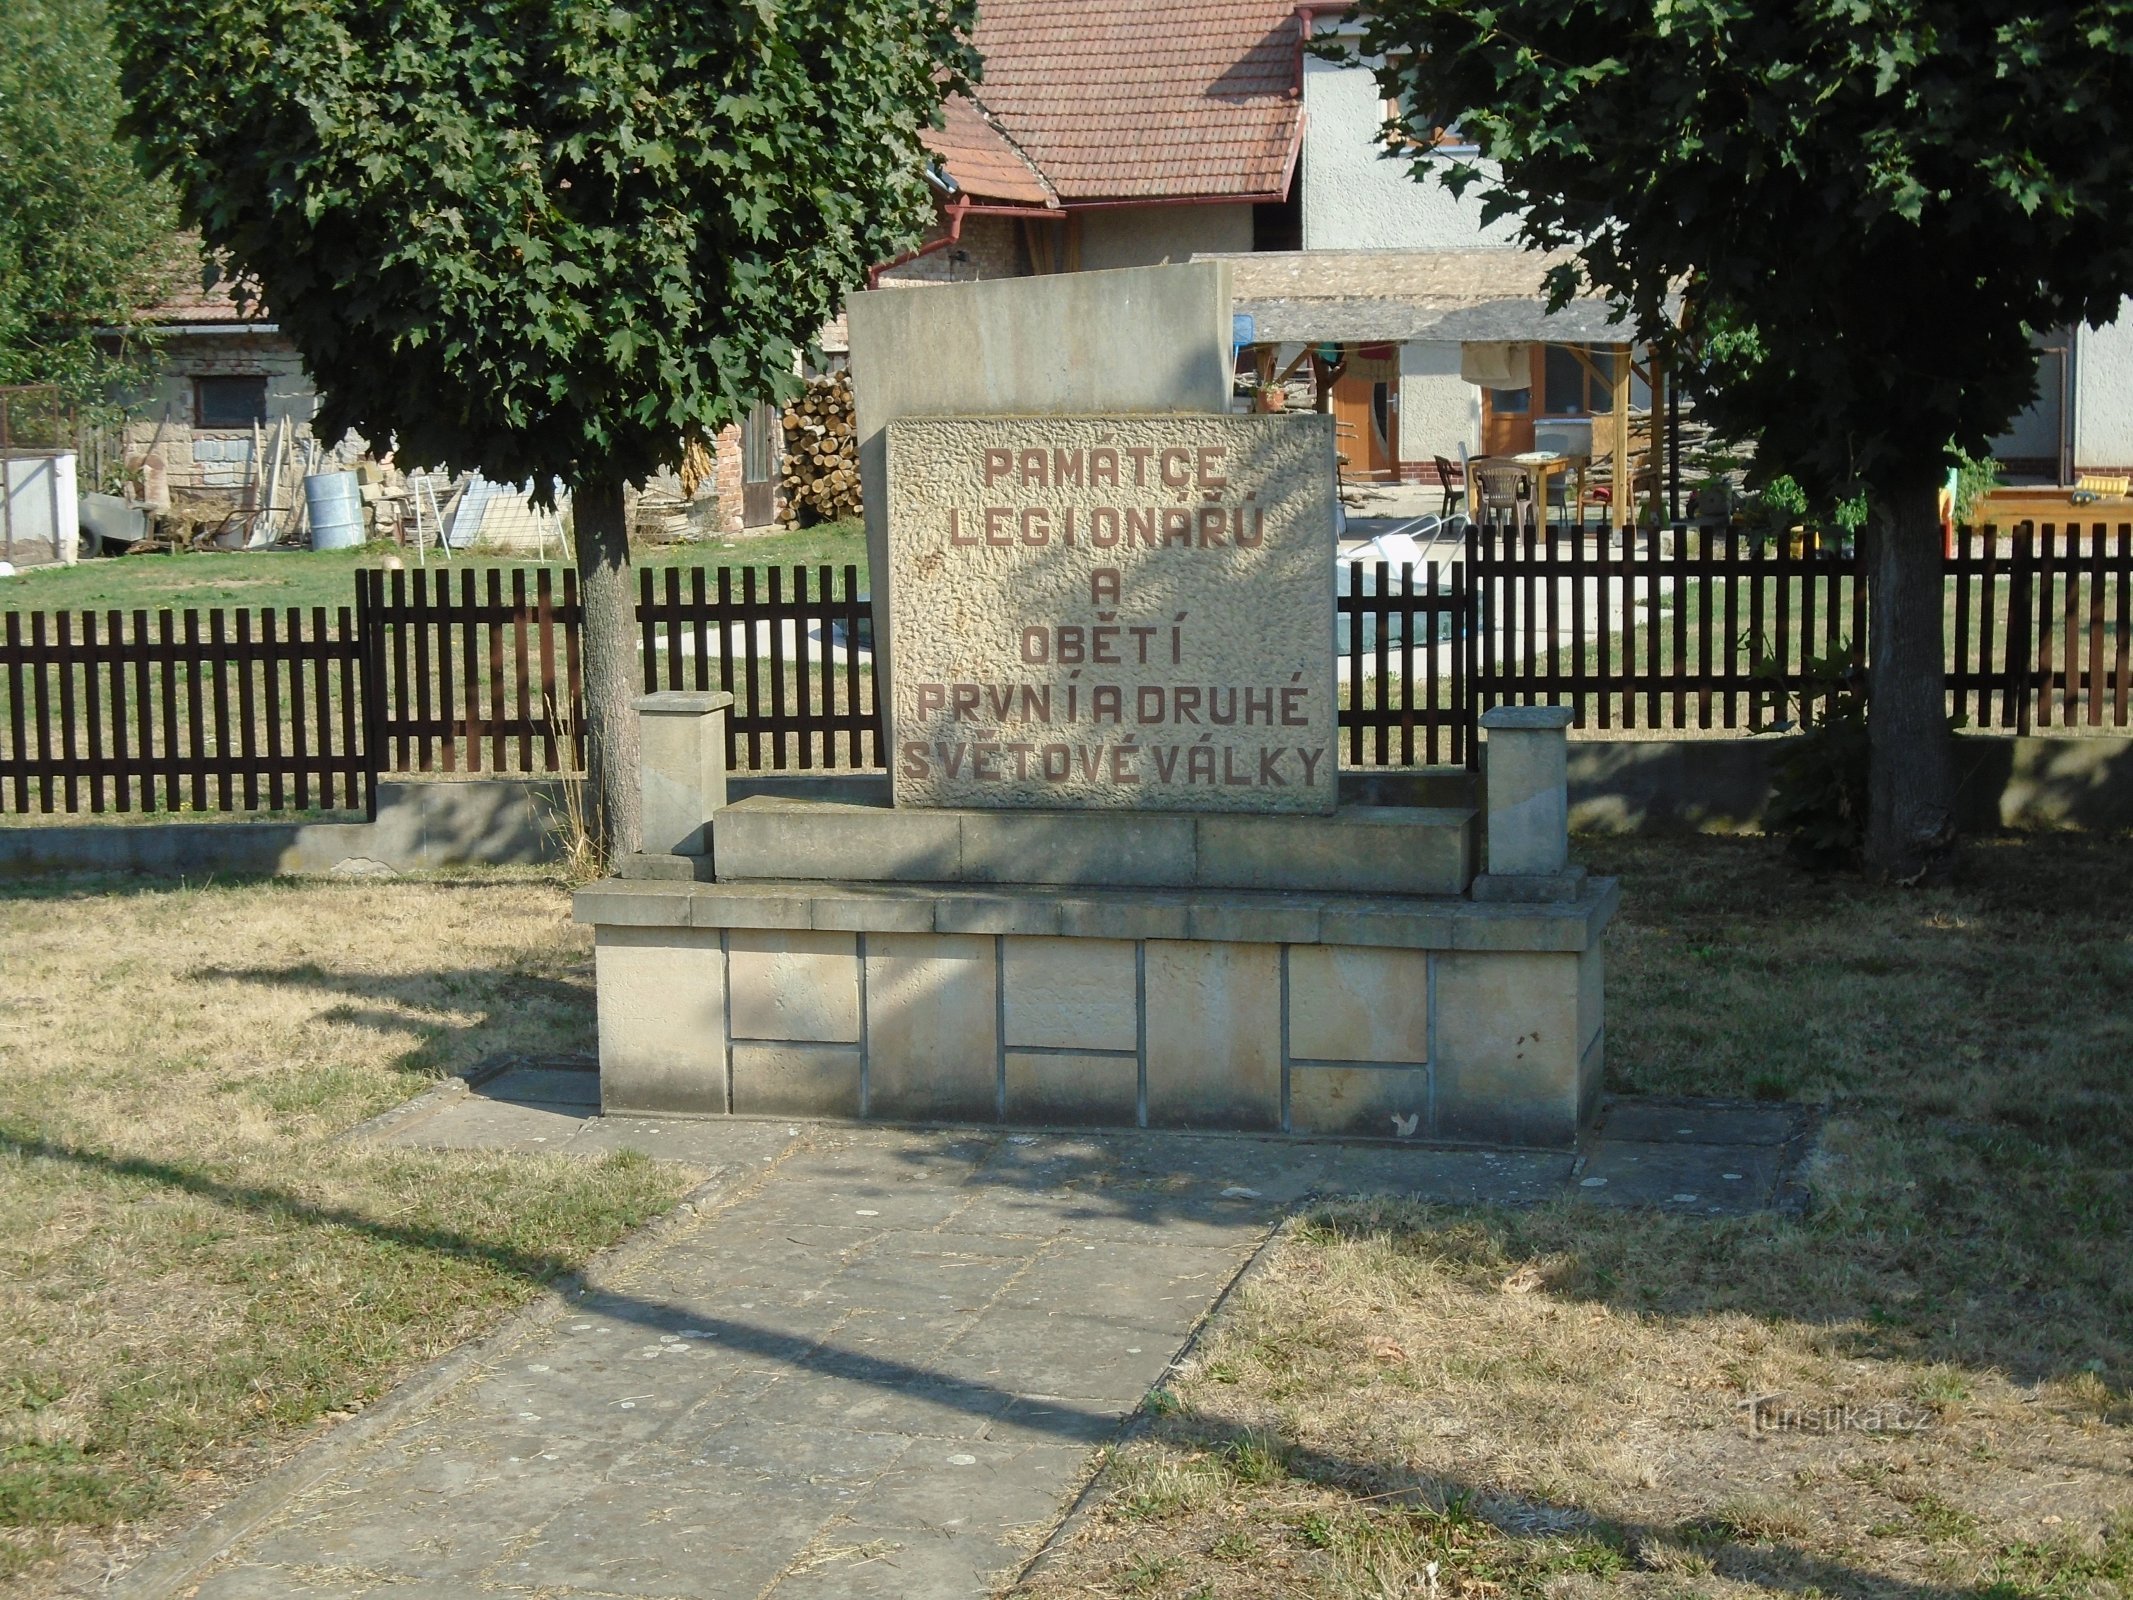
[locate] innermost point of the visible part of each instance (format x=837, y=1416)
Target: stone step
x=1359, y=849
x=1079, y=912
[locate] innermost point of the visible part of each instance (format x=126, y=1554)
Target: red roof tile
x=982, y=160
x=1145, y=99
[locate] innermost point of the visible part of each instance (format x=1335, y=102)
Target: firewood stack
x=821, y=455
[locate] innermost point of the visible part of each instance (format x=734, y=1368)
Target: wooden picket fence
x=1702, y=631
x=1402, y=638
x=474, y=672
x=170, y=711
x=1688, y=631
x=467, y=671
x=790, y=655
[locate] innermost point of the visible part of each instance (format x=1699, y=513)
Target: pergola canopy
x=1411, y=296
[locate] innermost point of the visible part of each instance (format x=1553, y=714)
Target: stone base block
x=1533, y=888
x=1360, y=849
x=1455, y=1021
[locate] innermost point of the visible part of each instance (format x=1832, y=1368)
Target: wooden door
x=759, y=467
x=1507, y=417
x=1366, y=420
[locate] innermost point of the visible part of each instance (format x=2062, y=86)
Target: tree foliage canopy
x=85, y=238
x=1871, y=203
x=545, y=237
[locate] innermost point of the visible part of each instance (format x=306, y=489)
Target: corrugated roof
x=1156, y=100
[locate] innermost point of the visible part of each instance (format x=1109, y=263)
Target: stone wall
x=1238, y=1013
x=208, y=467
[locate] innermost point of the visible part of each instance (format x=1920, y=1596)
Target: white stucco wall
x=1149, y=236
x=1356, y=199
x=2103, y=393
x=1439, y=410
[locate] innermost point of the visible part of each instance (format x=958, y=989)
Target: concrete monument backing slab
x=1113, y=612
x=1139, y=340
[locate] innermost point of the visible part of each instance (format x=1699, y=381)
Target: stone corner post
x=1527, y=793
x=682, y=773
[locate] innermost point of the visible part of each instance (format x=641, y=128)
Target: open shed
x=1428, y=354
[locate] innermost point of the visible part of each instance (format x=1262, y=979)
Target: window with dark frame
x=1574, y=388
x=229, y=402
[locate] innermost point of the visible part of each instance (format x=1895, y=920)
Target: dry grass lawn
x=194, y=1272
x=1415, y=1402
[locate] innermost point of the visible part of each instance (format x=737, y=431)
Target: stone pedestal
x=1316, y=976
x=1528, y=807
x=682, y=772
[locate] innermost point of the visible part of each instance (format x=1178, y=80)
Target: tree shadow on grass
x=372, y=996
x=1512, y=1542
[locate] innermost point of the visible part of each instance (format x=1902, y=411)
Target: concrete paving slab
x=1727, y=1180
x=476, y=1123
x=1449, y=1177
x=555, y=1086
x=743, y=1144
x=869, y=1361
x=1665, y=1121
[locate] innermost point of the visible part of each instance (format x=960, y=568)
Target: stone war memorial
x=1114, y=875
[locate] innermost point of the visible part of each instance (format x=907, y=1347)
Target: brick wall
x=991, y=247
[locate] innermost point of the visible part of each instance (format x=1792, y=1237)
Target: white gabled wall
x=2103, y=393
x=1439, y=410
x=1356, y=199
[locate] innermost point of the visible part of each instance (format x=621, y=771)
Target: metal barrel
x=335, y=504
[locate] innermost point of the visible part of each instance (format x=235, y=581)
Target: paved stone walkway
x=871, y=1361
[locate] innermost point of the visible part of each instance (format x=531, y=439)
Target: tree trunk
x=1910, y=822
x=607, y=596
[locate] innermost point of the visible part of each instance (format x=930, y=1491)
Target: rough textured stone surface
x=1528, y=803
x=1075, y=1090
x=1373, y=850
x=1143, y=339
x=932, y=1027
x=681, y=770
x=661, y=998
x=1024, y=552
x=1360, y=849
x=1350, y=1004
x=1216, y=914
x=1508, y=1050
x=764, y=838
x=1369, y=1102
x=1214, y=1035
x=796, y=1080
x=794, y=987
x=1071, y=994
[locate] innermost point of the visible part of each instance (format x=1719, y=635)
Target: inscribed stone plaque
x=1122, y=612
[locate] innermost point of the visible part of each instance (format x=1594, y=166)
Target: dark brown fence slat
x=551, y=712
x=270, y=685
x=574, y=688
x=2123, y=570
x=241, y=660
x=122, y=714
x=92, y=718
x=521, y=672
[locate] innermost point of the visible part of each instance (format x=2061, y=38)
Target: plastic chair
x=1454, y=481
x=1501, y=495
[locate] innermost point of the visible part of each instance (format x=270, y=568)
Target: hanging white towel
x=1497, y=366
